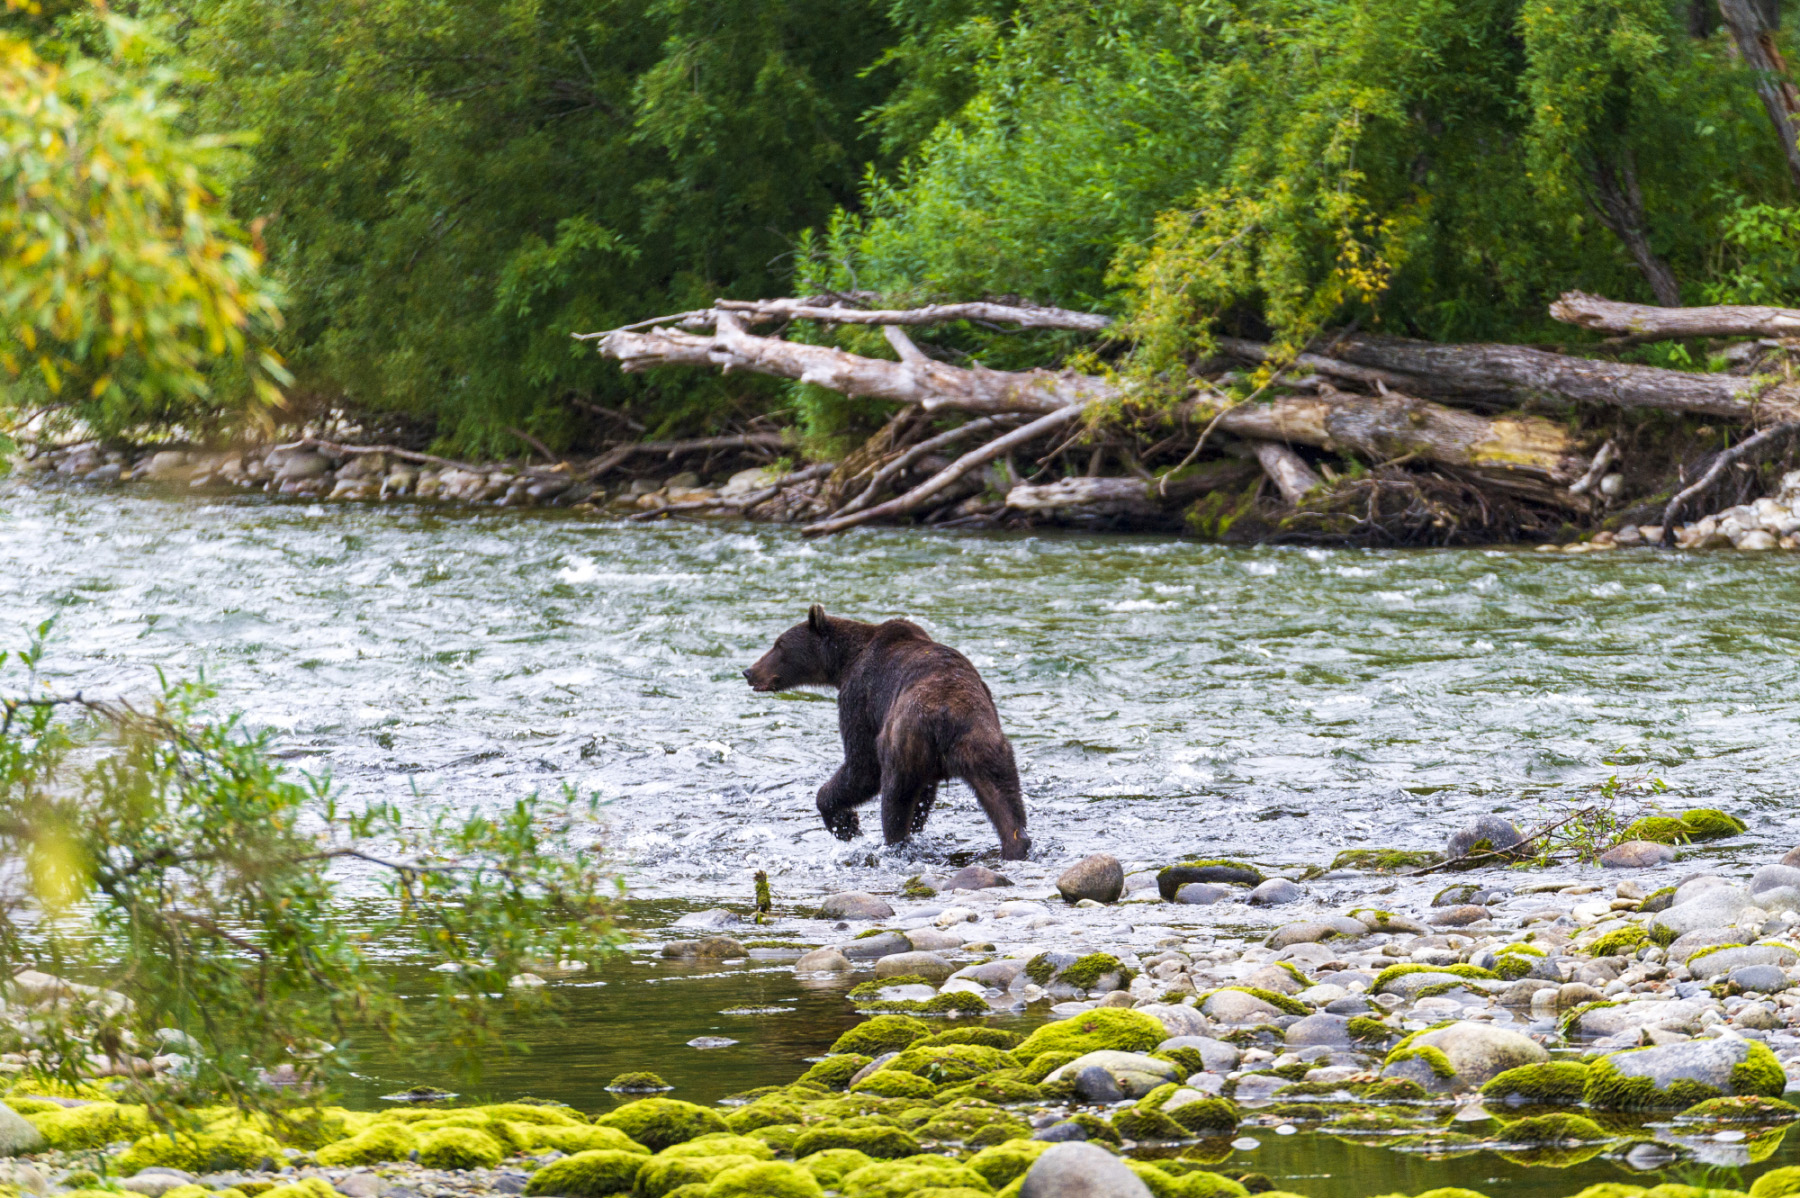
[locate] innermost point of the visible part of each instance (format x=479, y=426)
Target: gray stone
x=1388, y=921
x=1769, y=877
x=1350, y=1004
x=975, y=877
x=1792, y=857
x=1099, y=877
x=931, y=940
x=1133, y=1073
x=1173, y=878
x=1479, y=1052
x=508, y=1182
x=855, y=904
x=1708, y=1062
x=870, y=948
x=999, y=974
x=1498, y=832
x=716, y=917
x=1764, y=979
x=1066, y=1132
x=1408, y=985
x=368, y=1185
x=1095, y=1084
x=1273, y=977
x=1202, y=894
x=1455, y=895
x=1276, y=892
x=871, y=1067
x=17, y=1135
x=1637, y=854
x=1177, y=1020
x=1081, y=1170
x=1519, y=993
x=1694, y=886
x=1713, y=908
x=1724, y=960
x=155, y=1184
x=719, y=947
x=1258, y=1087
x=1457, y=917
x=926, y=965
x=1330, y=1030
x=1219, y=1056
x=1681, y=1015
x=822, y=960
x=302, y=465
x=1310, y=932
x=1237, y=1008
x=1686, y=946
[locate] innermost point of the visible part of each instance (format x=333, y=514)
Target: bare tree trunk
x=1615, y=198
x=1144, y=495
x=1496, y=371
x=1654, y=324
x=1755, y=39
x=1287, y=470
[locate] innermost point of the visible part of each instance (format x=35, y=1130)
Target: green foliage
x=178, y=866
x=128, y=295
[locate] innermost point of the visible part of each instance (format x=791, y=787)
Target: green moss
x=957, y=1002
x=949, y=1064
x=1541, y=1129
x=1105, y=1027
x=830, y=1166
x=1281, y=1002
x=637, y=1083
x=1777, y=1183
x=1512, y=966
x=988, y=1037
x=770, y=1179
x=92, y=1126
x=900, y=1179
x=1040, y=969
x=657, y=1123
x=373, y=1146
x=882, y=1034
x=1607, y=1089
x=764, y=1112
x=662, y=1176
x=1663, y=936
x=780, y=1137
x=1085, y=971
x=1571, y=1021
x=586, y=1174
x=1394, y=1089
x=1748, y=1108
x=914, y=888
x=1384, y=861
x=209, y=1151
x=1611, y=1189
x=1096, y=1128
x=1160, y=1184
x=1002, y=1163
x=1657, y=900
x=1206, y=1116
x=460, y=1148
x=1136, y=1123
x=1552, y=1083
x=1709, y=823
x=1368, y=1028
x=1045, y=1063
x=1758, y=1073
x=835, y=1072
x=1437, y=988
x=962, y=1124
x=1433, y=1057
x=1399, y=971
x=1620, y=942
x=1520, y=948
x=1661, y=829
x=1201, y=1183
x=721, y=1143
x=881, y=1143
x=889, y=1084
x=873, y=988
x=1188, y=1060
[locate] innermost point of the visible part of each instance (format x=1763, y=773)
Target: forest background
x=407, y=207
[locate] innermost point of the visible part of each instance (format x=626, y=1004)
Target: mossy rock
x=1546, y=1129
x=1620, y=941
x=657, y=1123
x=541, y=1113
x=987, y=1037
x=1369, y=1029
x=1085, y=971
x=581, y=1138
x=1044, y=1064
x=873, y=988
x=780, y=1137
x=1554, y=1083
x=1232, y=873
x=638, y=1083
x=1749, y=1108
x=461, y=1148
x=1384, y=861
x=830, y=1166
x=721, y=1143
x=1512, y=966
x=206, y=1152
x=1160, y=1184
x=890, y=1083
x=835, y=1072
x=903, y=1178
x=1777, y=1183
x=1661, y=829
x=881, y=1034
x=956, y=1002
x=660, y=1176
x=1116, y=1028
x=1611, y=1189
x=962, y=1125
x=1607, y=1089
x=375, y=1145
x=1393, y=972
x=763, y=1113
x=949, y=1064
x=1203, y=1183
x=93, y=1126
x=1281, y=1002
x=1137, y=1123
x=1206, y=1116
x=1433, y=1058
x=995, y=1089
x=1097, y=1129
x=1709, y=823
x=1187, y=1060
x=1657, y=900
x=308, y=1187
x=881, y=1143
x=591, y=1174
x=1394, y=1089
x=770, y=1179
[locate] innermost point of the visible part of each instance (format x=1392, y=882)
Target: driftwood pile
x=1363, y=438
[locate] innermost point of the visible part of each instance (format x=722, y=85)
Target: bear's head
x=805, y=655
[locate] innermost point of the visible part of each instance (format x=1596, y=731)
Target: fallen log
x=625, y=450
x=1515, y=370
x=925, y=448
x=1287, y=470
x=1642, y=320
x=1750, y=447
x=1132, y=494
x=1026, y=316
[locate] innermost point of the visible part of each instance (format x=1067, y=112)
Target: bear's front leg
x=839, y=798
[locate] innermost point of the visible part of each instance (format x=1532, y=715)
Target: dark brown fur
x=913, y=713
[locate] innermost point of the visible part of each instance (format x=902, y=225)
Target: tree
x=169, y=862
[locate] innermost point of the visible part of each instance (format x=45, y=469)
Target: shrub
x=657, y=1123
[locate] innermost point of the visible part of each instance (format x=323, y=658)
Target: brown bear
x=913, y=713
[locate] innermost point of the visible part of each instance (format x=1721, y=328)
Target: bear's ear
x=817, y=620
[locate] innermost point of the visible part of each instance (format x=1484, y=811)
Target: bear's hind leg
x=906, y=799
x=995, y=780
x=840, y=796
x=922, y=809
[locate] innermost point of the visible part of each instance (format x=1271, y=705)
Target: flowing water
x=1165, y=698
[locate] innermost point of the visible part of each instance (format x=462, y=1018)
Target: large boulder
x=1133, y=1073
x=1710, y=963
x=1219, y=1056
x=872, y=948
x=1486, y=834
x=929, y=966
x=1673, y=1076
x=1276, y=892
x=1679, y=1015
x=1081, y=1170
x=1463, y=1056
x=822, y=960
x=1714, y=907
x=855, y=904
x=1235, y=1008
x=1330, y=1030
x=17, y=1135
x=1099, y=877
